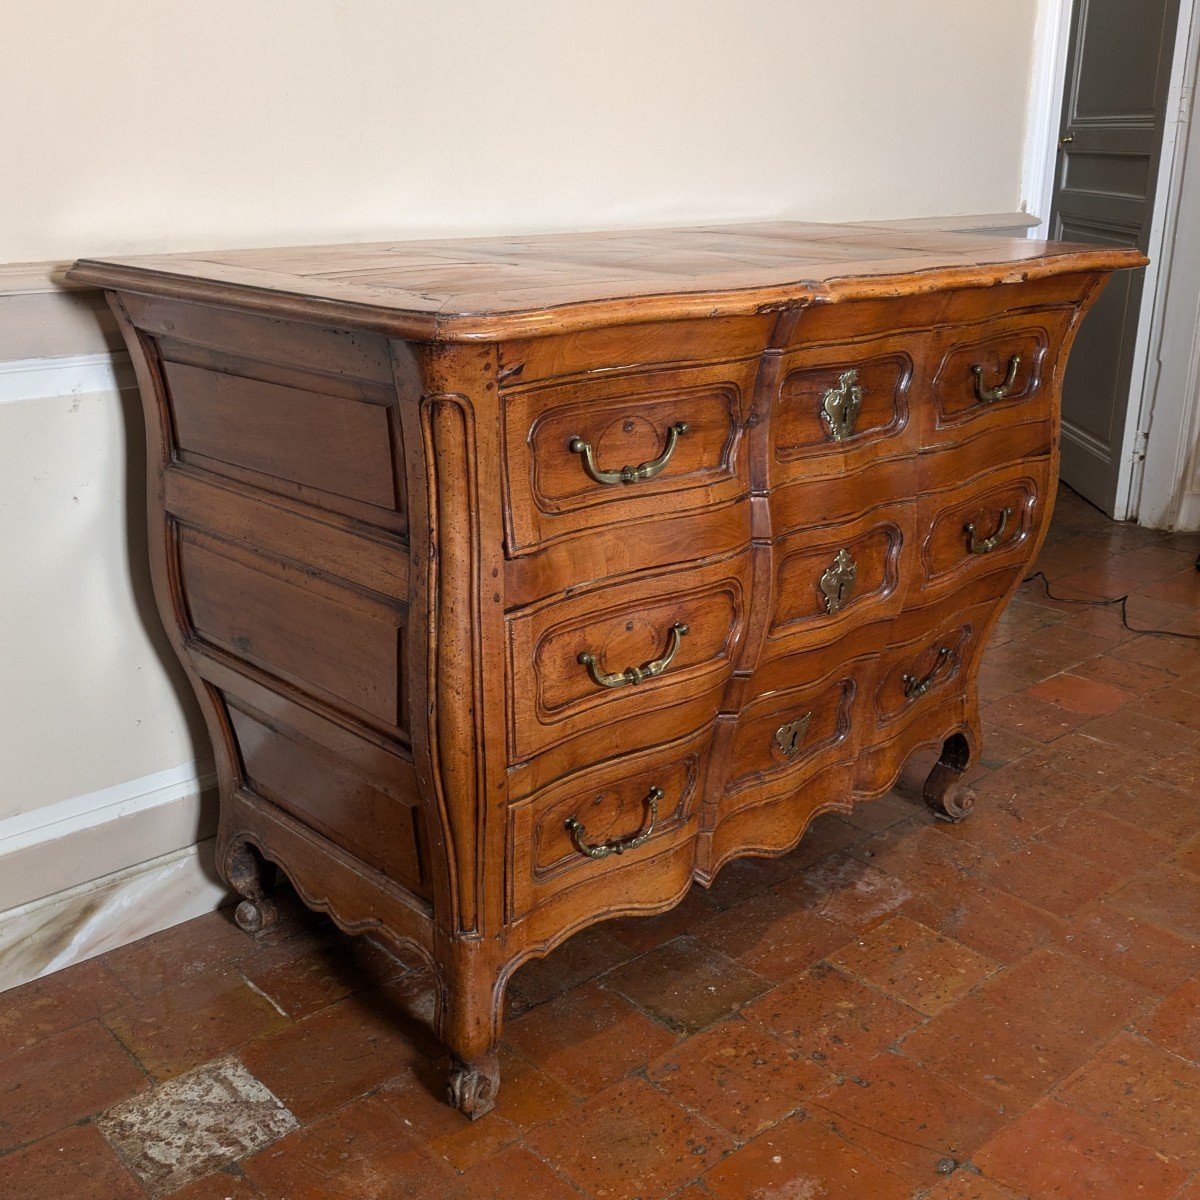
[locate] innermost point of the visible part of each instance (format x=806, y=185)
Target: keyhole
x=627, y=427
x=628, y=626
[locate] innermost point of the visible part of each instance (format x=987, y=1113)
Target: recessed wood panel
x=324, y=639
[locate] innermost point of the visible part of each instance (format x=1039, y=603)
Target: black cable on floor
x=1103, y=602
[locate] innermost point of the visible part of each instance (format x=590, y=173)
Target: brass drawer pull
x=914, y=687
x=840, y=406
x=978, y=545
x=632, y=675
x=604, y=849
x=646, y=470
x=837, y=582
x=989, y=395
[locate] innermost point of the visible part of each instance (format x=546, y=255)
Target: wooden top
x=485, y=288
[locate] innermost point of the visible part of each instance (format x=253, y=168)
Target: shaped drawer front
x=600, y=451
x=996, y=372
x=604, y=821
x=624, y=651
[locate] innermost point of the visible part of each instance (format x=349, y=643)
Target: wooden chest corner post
x=451, y=425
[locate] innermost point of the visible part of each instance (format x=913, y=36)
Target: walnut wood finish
x=525, y=581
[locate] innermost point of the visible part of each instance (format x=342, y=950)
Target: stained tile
x=967, y=1185
x=223, y=1185
x=686, y=984
x=1144, y=1092
x=640, y=934
x=1033, y=718
x=588, y=1038
x=331, y=1057
x=874, y=816
x=1174, y=705
x=832, y=1018
x=61, y=1080
x=1078, y=694
x=1134, y=730
x=362, y=1150
x=577, y=960
x=846, y=891
x=1161, y=810
x=1126, y=676
x=514, y=1172
x=739, y=1076
x=75, y=1164
x=1052, y=1151
x=1085, y=767
x=629, y=1134
x=205, y=1017
x=802, y=1158
x=921, y=856
x=1108, y=842
x=1123, y=945
x=906, y=1117
x=194, y=1125
x=1053, y=879
x=1175, y=1023
x=1167, y=896
x=913, y=963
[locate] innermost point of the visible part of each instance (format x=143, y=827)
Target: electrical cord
x=1104, y=602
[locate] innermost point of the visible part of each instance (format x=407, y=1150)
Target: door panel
x=1118, y=73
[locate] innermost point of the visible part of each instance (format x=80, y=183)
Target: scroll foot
x=942, y=788
x=247, y=873
x=472, y=1087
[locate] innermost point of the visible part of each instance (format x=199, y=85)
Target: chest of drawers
x=525, y=581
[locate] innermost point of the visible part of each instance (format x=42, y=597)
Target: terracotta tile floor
x=899, y=1008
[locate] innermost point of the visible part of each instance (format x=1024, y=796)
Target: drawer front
x=974, y=529
x=602, y=451
x=605, y=826
x=916, y=675
x=996, y=372
x=624, y=651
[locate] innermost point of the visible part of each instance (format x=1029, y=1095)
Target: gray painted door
x=1118, y=75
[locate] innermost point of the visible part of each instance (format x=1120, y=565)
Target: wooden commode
x=524, y=581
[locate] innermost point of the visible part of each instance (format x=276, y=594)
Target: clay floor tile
x=1172, y=655
x=874, y=816
x=906, y=1117
x=1179, y=771
x=1159, y=808
x=993, y=923
x=331, y=1057
x=833, y=1019
x=580, y=958
x=62, y=1080
x=744, y=878
x=967, y=1185
x=1032, y=717
x=205, y=1017
x=1127, y=676
x=849, y=892
x=1108, y=841
x=739, y=1076
x=803, y=1158
x=1060, y=882
x=1055, y=1153
x=918, y=853
x=514, y=1174
x=686, y=985
x=771, y=935
x=1175, y=705
x=1088, y=766
x=1133, y=729
x=75, y=1164
x=57, y=1002
x=587, y=1038
x=1002, y=747
x=1120, y=944
x=1167, y=896
x=1078, y=694
x=1004, y=1059
x=1175, y=1023
x=1188, y=856
x=361, y=1151
x=221, y=1186
x=914, y=964
x=641, y=934
x=1144, y=1092
x=630, y=1136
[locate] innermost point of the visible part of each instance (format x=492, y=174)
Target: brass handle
x=841, y=404
x=978, y=545
x=1067, y=140
x=646, y=470
x=632, y=675
x=914, y=687
x=989, y=395
x=604, y=849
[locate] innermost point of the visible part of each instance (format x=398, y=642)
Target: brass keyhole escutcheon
x=837, y=582
x=841, y=404
x=789, y=738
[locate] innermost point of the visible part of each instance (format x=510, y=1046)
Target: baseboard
x=59, y=930
x=71, y=375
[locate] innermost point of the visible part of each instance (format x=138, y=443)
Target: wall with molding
x=186, y=125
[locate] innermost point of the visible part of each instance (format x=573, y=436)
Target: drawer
x=626, y=652
x=786, y=735
x=842, y=402
x=916, y=675
x=831, y=575
x=973, y=529
x=597, y=452
x=996, y=372
x=610, y=820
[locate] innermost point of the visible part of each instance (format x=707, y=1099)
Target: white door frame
x=1052, y=34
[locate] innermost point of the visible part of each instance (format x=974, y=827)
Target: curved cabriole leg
x=942, y=792
x=469, y=1019
x=247, y=873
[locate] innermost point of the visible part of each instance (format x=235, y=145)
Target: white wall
x=136, y=125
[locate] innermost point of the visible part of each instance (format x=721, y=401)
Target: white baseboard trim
x=60, y=930
x=72, y=375
x=53, y=849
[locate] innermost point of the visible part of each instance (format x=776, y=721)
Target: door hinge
x=1140, y=440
